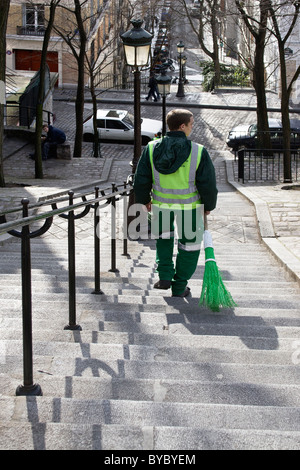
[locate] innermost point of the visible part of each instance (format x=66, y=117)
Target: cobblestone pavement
x=210, y=129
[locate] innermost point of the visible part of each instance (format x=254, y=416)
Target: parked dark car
x=247, y=135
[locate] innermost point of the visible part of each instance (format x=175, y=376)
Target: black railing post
x=72, y=275
x=125, y=228
x=97, y=289
x=28, y=388
x=241, y=164
x=113, y=232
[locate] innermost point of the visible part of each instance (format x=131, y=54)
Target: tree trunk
x=79, y=107
x=79, y=104
x=4, y=8
x=97, y=151
x=285, y=118
x=264, y=141
x=41, y=94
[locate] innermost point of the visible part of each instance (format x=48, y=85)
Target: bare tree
x=41, y=91
x=255, y=19
x=105, y=58
x=74, y=33
x=4, y=7
x=94, y=67
x=284, y=17
x=206, y=26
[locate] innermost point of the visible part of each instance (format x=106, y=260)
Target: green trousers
x=190, y=232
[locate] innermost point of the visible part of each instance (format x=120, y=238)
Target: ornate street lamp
x=164, y=85
x=137, y=45
x=182, y=60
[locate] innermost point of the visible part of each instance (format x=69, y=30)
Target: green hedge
x=231, y=75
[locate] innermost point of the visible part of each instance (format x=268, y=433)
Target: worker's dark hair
x=176, y=117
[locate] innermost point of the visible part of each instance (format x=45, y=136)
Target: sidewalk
x=277, y=210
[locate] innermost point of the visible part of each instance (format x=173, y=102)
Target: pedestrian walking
x=174, y=179
x=153, y=89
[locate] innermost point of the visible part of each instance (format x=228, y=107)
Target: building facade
x=101, y=19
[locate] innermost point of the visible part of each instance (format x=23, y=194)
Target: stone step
x=263, y=259
x=55, y=348
x=85, y=281
x=111, y=438
x=157, y=413
x=260, y=259
x=138, y=360
x=146, y=336
x=163, y=351
x=102, y=384
x=136, y=285
x=149, y=258
x=273, y=298
x=97, y=316
x=92, y=318
x=284, y=298
x=142, y=352
x=160, y=322
x=91, y=314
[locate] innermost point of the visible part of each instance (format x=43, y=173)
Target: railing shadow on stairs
x=20, y=228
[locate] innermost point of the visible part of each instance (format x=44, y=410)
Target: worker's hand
x=148, y=206
x=206, y=212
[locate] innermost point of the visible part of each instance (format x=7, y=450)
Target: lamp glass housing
x=137, y=44
x=164, y=88
x=137, y=56
x=180, y=47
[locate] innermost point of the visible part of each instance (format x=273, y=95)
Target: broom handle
x=205, y=222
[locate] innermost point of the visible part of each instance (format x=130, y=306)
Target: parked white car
x=116, y=124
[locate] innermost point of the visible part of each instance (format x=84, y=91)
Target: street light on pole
x=164, y=85
x=137, y=44
x=182, y=60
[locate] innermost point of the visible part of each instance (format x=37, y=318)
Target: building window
x=34, y=18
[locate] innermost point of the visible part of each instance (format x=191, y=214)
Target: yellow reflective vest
x=177, y=190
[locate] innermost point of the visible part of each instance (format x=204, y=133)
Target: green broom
x=214, y=294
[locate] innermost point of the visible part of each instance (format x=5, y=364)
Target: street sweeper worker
x=175, y=180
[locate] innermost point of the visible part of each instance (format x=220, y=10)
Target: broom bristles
x=214, y=293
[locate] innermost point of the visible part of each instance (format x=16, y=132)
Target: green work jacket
x=177, y=190
x=169, y=154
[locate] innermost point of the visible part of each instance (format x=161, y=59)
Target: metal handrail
x=104, y=196
x=28, y=109
x=7, y=226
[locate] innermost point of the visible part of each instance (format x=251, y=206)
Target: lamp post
x=182, y=59
x=164, y=86
x=137, y=44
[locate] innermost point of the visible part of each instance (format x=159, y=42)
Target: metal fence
x=73, y=207
x=265, y=165
x=115, y=81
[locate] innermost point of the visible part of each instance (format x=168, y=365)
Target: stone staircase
x=148, y=371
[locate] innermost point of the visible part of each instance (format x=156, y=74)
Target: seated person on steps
x=54, y=137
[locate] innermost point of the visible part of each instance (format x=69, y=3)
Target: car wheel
x=145, y=140
x=88, y=137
